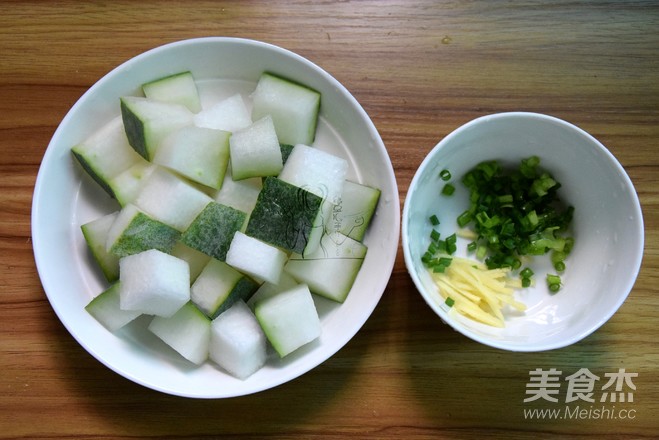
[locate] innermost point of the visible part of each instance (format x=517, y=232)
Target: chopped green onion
x=449, y=301
x=434, y=235
x=448, y=189
x=445, y=175
x=526, y=273
x=471, y=247
x=464, y=219
x=526, y=282
x=451, y=244
x=434, y=220
x=553, y=282
x=481, y=251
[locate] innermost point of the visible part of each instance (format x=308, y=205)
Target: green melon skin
x=144, y=233
x=284, y=215
x=147, y=122
x=219, y=286
x=212, y=230
x=286, y=150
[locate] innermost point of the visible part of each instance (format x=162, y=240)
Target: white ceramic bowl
x=64, y=199
x=607, y=226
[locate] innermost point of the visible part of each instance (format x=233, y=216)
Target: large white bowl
x=607, y=226
x=65, y=198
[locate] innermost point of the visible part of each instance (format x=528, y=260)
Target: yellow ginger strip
x=477, y=292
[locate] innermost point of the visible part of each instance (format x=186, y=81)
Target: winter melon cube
x=294, y=108
x=289, y=319
x=133, y=232
x=96, y=236
x=106, y=309
x=286, y=216
x=352, y=215
x=331, y=269
x=179, y=88
x=187, y=331
x=229, y=114
x=317, y=171
x=154, y=283
x=255, y=151
x=147, y=122
x=128, y=184
x=212, y=230
x=200, y=154
x=106, y=153
x=256, y=258
x=219, y=286
x=237, y=342
x=239, y=194
x=196, y=260
x=266, y=290
x=171, y=200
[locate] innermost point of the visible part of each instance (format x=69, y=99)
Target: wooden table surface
x=420, y=69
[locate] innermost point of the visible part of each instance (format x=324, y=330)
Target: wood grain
x=420, y=69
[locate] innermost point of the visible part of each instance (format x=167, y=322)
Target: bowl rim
x=39, y=237
x=527, y=116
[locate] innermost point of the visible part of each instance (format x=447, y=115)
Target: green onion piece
x=471, y=247
x=446, y=261
x=481, y=251
x=505, y=199
x=526, y=282
x=464, y=219
x=434, y=235
x=449, y=301
x=553, y=282
x=569, y=244
x=438, y=268
x=445, y=175
x=448, y=189
x=451, y=245
x=526, y=273
x=434, y=220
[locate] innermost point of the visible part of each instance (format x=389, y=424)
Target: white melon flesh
x=289, y=319
x=332, y=268
x=352, y=215
x=255, y=151
x=106, y=309
x=317, y=171
x=154, y=283
x=106, y=153
x=171, y=200
x=128, y=184
x=196, y=260
x=200, y=154
x=179, y=88
x=267, y=289
x=187, y=331
x=229, y=114
x=256, y=258
x=219, y=286
x=239, y=194
x=147, y=122
x=95, y=233
x=293, y=107
x=237, y=342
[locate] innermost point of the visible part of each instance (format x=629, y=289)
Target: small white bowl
x=607, y=227
x=64, y=199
